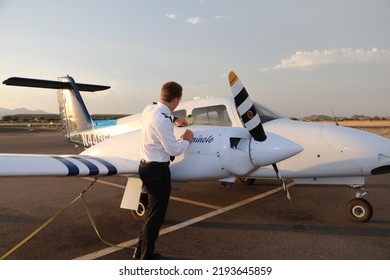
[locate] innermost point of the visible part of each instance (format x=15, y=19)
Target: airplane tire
x=140, y=214
x=247, y=181
x=359, y=210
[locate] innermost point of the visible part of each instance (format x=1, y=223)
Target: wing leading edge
x=60, y=165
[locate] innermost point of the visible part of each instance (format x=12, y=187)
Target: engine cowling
x=240, y=154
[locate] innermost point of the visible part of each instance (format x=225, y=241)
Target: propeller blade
x=246, y=108
x=282, y=181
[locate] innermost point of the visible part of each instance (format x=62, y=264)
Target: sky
x=297, y=57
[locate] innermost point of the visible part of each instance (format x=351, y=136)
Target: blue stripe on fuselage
x=104, y=123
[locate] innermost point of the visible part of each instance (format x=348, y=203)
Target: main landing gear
x=247, y=181
x=359, y=209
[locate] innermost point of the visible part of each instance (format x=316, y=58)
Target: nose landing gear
x=359, y=209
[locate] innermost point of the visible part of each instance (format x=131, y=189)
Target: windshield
x=211, y=115
x=266, y=114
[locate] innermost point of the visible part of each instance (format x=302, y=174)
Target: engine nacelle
x=222, y=152
x=234, y=152
x=241, y=154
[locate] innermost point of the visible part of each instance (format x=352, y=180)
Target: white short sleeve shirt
x=158, y=142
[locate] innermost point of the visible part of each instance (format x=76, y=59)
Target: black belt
x=144, y=162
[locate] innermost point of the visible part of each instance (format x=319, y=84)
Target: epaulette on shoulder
x=171, y=117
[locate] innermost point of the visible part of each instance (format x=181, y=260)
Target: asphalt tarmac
x=204, y=221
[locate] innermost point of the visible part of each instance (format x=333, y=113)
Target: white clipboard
x=130, y=199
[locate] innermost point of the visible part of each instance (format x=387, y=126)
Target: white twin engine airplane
x=229, y=142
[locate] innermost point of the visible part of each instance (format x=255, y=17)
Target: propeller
x=246, y=109
x=282, y=181
x=251, y=118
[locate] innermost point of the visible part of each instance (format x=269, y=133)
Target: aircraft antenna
x=334, y=118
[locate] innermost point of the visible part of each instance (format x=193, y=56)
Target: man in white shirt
x=158, y=144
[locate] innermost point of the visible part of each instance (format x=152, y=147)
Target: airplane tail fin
x=74, y=114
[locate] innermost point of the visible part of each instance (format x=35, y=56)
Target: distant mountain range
x=5, y=112
x=317, y=118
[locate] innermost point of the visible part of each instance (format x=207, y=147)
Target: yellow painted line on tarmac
x=193, y=202
x=105, y=182
x=132, y=242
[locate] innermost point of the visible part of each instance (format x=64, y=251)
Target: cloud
x=194, y=20
x=171, y=16
x=309, y=59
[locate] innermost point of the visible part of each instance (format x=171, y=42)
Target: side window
x=213, y=115
x=181, y=114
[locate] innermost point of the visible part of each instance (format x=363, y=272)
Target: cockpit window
x=266, y=114
x=212, y=115
x=180, y=114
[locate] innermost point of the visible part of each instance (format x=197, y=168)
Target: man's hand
x=187, y=135
x=181, y=122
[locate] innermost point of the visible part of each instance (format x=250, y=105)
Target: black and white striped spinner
x=246, y=109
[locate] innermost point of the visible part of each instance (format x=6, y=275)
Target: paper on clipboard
x=130, y=199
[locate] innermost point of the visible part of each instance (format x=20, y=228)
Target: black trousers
x=157, y=180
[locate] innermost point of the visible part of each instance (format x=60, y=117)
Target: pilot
x=158, y=145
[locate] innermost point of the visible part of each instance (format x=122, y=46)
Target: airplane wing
x=65, y=165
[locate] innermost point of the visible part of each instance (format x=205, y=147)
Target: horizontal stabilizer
x=26, y=82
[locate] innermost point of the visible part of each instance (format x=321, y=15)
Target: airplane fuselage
x=332, y=154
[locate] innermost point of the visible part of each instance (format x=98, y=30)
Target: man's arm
x=171, y=145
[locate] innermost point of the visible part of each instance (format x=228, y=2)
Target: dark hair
x=171, y=90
